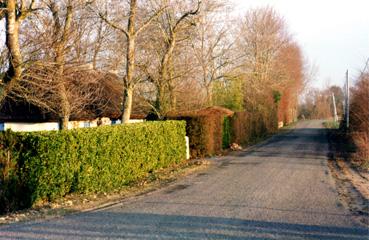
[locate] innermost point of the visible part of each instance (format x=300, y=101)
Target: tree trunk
x=98, y=45
x=65, y=106
x=159, y=99
x=65, y=110
x=162, y=102
x=65, y=122
x=130, y=67
x=209, y=94
x=171, y=86
x=127, y=104
x=128, y=90
x=173, y=100
x=14, y=71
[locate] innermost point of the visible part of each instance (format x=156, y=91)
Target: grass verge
x=331, y=124
x=352, y=181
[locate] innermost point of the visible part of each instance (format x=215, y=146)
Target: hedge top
x=215, y=110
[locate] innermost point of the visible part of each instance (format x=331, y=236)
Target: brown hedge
x=213, y=129
x=204, y=127
x=359, y=120
x=247, y=128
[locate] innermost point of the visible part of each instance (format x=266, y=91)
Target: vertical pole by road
x=334, y=108
x=347, y=100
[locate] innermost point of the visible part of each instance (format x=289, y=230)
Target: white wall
x=136, y=121
x=50, y=126
x=30, y=127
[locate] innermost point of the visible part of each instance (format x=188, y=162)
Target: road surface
x=280, y=190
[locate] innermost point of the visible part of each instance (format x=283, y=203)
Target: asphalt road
x=281, y=190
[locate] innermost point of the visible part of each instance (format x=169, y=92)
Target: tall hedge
x=204, y=127
x=227, y=132
x=205, y=134
x=246, y=127
x=49, y=165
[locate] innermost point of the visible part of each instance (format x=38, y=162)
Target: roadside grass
x=344, y=147
x=351, y=176
x=289, y=126
x=74, y=203
x=331, y=124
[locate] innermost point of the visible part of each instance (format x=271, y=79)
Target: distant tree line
x=318, y=103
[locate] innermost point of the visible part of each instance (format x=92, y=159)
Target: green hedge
x=49, y=165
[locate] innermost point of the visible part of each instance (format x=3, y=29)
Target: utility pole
x=347, y=100
x=334, y=108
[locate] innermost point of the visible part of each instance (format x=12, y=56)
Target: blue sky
x=334, y=34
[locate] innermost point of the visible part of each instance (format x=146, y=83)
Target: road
x=281, y=189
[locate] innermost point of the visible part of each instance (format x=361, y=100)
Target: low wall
x=53, y=126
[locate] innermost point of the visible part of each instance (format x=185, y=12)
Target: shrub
x=49, y=165
x=241, y=128
x=359, y=119
x=10, y=186
x=204, y=127
x=215, y=128
x=227, y=132
x=247, y=128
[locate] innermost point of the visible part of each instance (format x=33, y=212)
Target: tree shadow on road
x=116, y=225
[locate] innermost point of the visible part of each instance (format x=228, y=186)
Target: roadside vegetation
x=157, y=57
x=359, y=123
x=351, y=175
x=331, y=124
x=349, y=151
x=354, y=140
x=226, y=80
x=45, y=166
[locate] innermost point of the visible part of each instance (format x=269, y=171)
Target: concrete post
x=187, y=148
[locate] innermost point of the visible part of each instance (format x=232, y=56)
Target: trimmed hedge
x=213, y=129
x=47, y=165
x=245, y=128
x=227, y=132
x=204, y=128
x=205, y=135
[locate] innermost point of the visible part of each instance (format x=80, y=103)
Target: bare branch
x=187, y=14
x=113, y=24
x=150, y=20
x=24, y=10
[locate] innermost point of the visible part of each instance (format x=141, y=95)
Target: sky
x=333, y=34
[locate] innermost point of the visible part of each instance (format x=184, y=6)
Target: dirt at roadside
x=82, y=203
x=352, y=182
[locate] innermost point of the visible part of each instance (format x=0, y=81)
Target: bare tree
x=171, y=29
x=130, y=32
x=168, y=54
x=14, y=13
x=359, y=112
x=61, y=37
x=290, y=75
x=262, y=35
x=212, y=46
x=60, y=78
